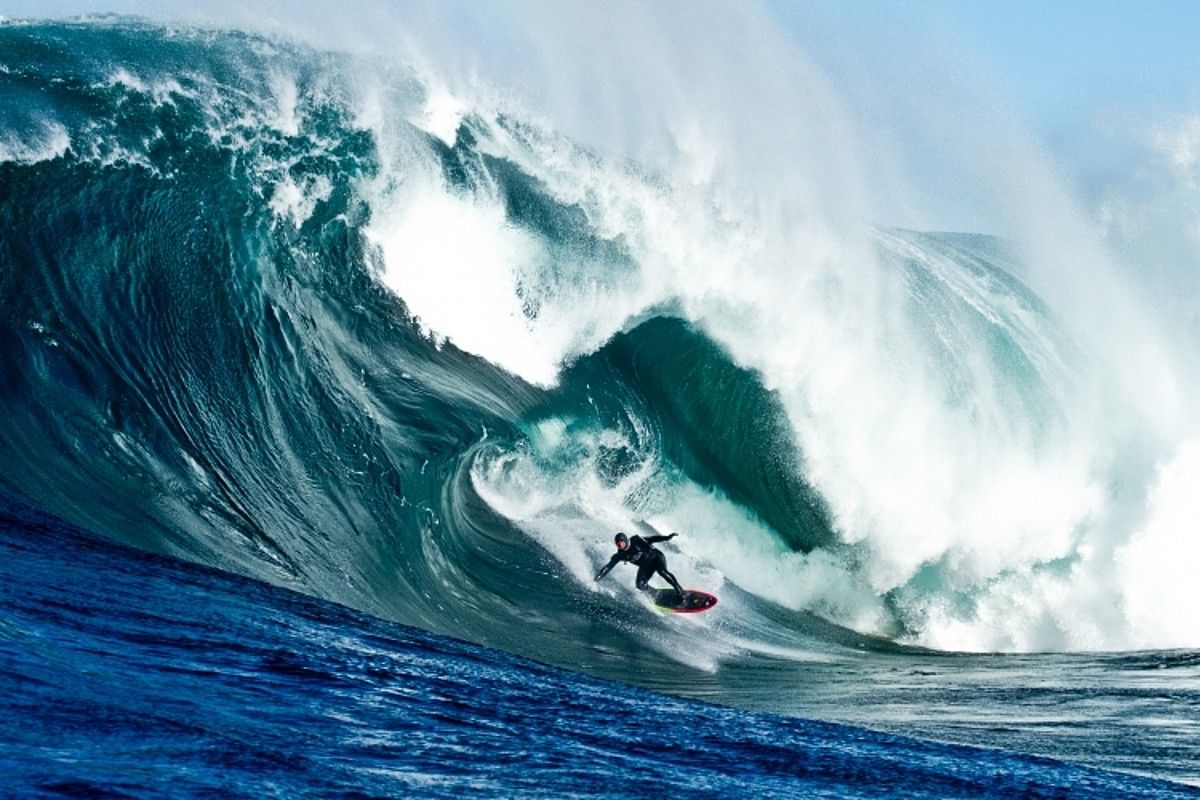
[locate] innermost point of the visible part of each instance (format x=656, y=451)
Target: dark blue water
x=124, y=674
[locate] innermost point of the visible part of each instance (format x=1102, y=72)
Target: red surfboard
x=693, y=601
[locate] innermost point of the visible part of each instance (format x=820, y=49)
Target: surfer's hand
x=673, y=535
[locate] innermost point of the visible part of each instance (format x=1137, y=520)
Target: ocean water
x=127, y=674
x=305, y=318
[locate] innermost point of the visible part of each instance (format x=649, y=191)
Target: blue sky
x=1057, y=60
x=1064, y=59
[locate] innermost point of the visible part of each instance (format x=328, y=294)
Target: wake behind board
x=694, y=601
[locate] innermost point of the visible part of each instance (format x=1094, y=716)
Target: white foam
x=1157, y=569
x=296, y=201
x=50, y=141
x=471, y=276
x=287, y=116
x=442, y=114
x=727, y=541
x=162, y=91
x=460, y=266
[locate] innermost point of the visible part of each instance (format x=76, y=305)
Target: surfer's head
x=622, y=541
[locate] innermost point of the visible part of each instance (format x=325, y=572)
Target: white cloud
x=1181, y=145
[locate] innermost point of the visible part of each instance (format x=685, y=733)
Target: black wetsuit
x=649, y=560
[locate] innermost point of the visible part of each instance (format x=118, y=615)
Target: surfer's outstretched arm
x=612, y=562
x=657, y=539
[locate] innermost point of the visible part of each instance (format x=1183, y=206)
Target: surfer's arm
x=612, y=562
x=657, y=539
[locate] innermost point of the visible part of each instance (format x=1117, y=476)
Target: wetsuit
x=649, y=560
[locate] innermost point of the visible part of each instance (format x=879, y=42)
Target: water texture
x=300, y=317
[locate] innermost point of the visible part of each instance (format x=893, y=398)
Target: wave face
x=306, y=317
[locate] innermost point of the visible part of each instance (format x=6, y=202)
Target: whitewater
x=412, y=337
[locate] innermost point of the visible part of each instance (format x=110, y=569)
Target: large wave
x=315, y=319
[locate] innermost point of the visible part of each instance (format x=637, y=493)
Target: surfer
x=648, y=558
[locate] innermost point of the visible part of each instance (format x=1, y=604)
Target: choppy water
x=126, y=674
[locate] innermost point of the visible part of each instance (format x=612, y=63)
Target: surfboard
x=694, y=601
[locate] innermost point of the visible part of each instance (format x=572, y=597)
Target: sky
x=1066, y=59
x=1059, y=60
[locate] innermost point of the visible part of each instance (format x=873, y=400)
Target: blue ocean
x=326, y=382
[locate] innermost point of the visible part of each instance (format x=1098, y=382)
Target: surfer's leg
x=669, y=578
x=660, y=566
x=643, y=576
